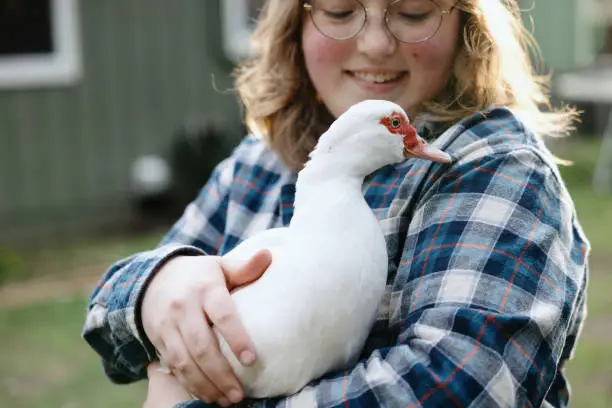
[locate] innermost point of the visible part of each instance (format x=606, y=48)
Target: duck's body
x=313, y=308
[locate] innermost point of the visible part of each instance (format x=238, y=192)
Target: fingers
x=221, y=312
x=186, y=370
x=240, y=274
x=203, y=347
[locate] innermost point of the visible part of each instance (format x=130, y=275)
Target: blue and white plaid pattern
x=486, y=290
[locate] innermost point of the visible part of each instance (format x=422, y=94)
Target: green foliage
x=583, y=151
x=11, y=264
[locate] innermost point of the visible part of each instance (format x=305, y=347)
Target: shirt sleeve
x=112, y=326
x=490, y=277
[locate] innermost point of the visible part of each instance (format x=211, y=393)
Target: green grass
x=590, y=375
x=64, y=258
x=595, y=215
x=44, y=362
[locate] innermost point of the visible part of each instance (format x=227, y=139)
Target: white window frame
x=63, y=67
x=236, y=29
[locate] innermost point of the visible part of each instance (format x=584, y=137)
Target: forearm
x=112, y=326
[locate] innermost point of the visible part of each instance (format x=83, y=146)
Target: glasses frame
x=443, y=12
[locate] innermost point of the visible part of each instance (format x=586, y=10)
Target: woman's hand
x=164, y=389
x=188, y=295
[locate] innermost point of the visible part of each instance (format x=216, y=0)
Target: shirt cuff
x=167, y=252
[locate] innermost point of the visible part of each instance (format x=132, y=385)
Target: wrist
x=144, y=289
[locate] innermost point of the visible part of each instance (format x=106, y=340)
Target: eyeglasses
x=409, y=21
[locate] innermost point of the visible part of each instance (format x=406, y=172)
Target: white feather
x=312, y=310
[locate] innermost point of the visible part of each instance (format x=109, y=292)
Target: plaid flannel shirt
x=487, y=273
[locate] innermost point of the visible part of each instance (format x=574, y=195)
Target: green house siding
x=150, y=66
x=565, y=30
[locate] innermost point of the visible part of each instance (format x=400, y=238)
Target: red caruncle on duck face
x=397, y=123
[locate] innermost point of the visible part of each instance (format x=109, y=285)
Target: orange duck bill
x=424, y=150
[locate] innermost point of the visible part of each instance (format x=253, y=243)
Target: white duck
x=313, y=308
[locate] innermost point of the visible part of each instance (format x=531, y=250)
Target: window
x=238, y=22
x=39, y=43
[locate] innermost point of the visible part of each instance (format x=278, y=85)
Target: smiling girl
x=487, y=261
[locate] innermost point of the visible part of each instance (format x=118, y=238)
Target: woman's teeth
x=378, y=78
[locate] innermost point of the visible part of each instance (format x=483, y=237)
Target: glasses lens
x=414, y=21
x=338, y=19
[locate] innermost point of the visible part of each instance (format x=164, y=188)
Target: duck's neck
x=333, y=169
x=324, y=185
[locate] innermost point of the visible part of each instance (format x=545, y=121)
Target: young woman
x=486, y=289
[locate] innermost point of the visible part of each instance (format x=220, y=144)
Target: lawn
x=44, y=363
x=66, y=258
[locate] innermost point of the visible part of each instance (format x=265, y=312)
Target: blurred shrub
x=10, y=265
x=579, y=173
x=583, y=152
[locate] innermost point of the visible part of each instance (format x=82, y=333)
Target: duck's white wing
x=269, y=239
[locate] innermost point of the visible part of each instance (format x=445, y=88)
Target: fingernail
x=247, y=357
x=235, y=396
x=224, y=402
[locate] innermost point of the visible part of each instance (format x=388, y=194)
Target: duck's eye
x=395, y=123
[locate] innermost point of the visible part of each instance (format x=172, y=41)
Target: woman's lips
x=377, y=81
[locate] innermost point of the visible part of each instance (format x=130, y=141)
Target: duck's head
x=379, y=132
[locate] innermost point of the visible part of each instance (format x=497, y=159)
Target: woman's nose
x=375, y=40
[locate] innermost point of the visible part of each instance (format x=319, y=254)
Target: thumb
x=238, y=272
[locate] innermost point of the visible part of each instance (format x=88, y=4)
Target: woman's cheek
x=428, y=55
x=320, y=49
x=328, y=53
x=437, y=54
x=431, y=63
x=429, y=70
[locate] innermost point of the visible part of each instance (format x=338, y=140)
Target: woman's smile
x=377, y=81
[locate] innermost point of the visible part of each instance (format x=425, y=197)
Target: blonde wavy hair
x=492, y=67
